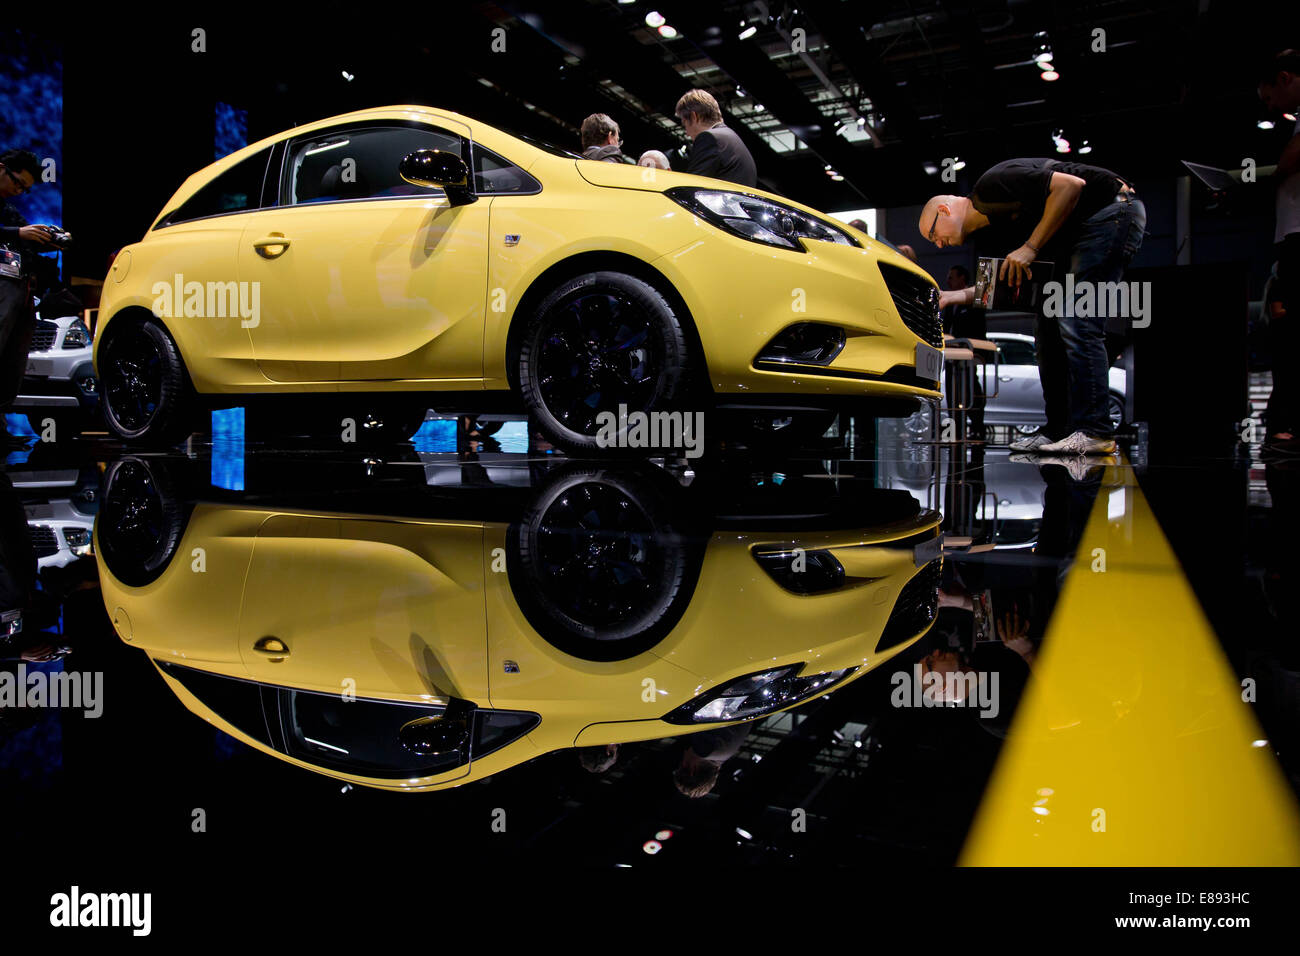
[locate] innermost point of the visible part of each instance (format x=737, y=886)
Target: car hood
x=647, y=179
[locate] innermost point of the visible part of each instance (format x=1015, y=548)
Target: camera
x=60, y=238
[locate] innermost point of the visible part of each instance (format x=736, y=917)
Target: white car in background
x=60, y=372
x=1019, y=399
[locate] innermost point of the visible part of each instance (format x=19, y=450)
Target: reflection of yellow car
x=412, y=654
x=410, y=249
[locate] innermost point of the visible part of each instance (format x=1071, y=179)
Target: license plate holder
x=929, y=362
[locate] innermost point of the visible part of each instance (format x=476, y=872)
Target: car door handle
x=272, y=648
x=272, y=246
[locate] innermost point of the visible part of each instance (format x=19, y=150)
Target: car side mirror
x=439, y=170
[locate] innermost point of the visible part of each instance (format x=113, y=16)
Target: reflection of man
x=704, y=756
x=960, y=320
x=717, y=151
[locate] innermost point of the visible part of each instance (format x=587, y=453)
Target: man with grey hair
x=653, y=158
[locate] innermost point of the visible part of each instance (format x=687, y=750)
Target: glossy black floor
x=877, y=785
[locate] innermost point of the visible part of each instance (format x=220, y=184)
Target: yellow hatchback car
x=409, y=249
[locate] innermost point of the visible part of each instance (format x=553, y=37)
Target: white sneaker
x=1079, y=444
x=1032, y=443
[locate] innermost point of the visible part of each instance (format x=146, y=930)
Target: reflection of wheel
x=1027, y=429
x=146, y=390
x=597, y=342
x=140, y=521
x=1115, y=409
x=599, y=567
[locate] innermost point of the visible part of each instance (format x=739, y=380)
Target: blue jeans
x=1072, y=362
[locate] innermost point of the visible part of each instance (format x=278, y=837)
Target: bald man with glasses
x=1090, y=223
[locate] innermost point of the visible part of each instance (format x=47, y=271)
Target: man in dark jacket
x=19, y=242
x=600, y=140
x=717, y=150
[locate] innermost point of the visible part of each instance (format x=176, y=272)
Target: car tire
x=1115, y=409
x=596, y=342
x=146, y=391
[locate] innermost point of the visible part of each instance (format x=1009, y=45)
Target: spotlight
x=1051, y=76
x=655, y=19
x=748, y=32
x=667, y=32
x=862, y=122
x=959, y=164
x=1084, y=148
x=837, y=178
x=1289, y=117
x=930, y=169
x=1265, y=124
x=1044, y=51
x=349, y=76
x=1062, y=145
x=1045, y=65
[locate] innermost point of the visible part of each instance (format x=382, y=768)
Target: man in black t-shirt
x=1085, y=217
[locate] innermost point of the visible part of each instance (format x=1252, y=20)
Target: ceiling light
x=667, y=32
x=838, y=178
x=1289, y=117
x=1265, y=124
x=1062, y=145
x=1044, y=51
x=959, y=164
x=349, y=76
x=1084, y=147
x=1051, y=76
x=748, y=32
x=654, y=19
x=1045, y=64
x=930, y=169
x=862, y=121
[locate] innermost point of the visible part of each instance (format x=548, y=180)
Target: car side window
x=238, y=189
x=361, y=163
x=494, y=174
x=1015, y=352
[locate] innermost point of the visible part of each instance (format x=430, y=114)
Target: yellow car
x=420, y=653
x=409, y=249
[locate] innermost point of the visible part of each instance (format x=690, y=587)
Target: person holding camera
x=19, y=243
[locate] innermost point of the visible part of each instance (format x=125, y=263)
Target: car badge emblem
x=511, y=667
x=512, y=239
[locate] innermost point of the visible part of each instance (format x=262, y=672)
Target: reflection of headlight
x=78, y=540
x=77, y=336
x=755, y=695
x=759, y=220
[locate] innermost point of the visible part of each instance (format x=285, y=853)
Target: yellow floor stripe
x=1132, y=745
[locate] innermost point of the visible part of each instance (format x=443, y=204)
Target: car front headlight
x=78, y=539
x=756, y=695
x=758, y=220
x=77, y=336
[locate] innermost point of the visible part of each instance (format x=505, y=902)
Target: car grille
x=44, y=542
x=917, y=301
x=43, y=337
x=916, y=607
